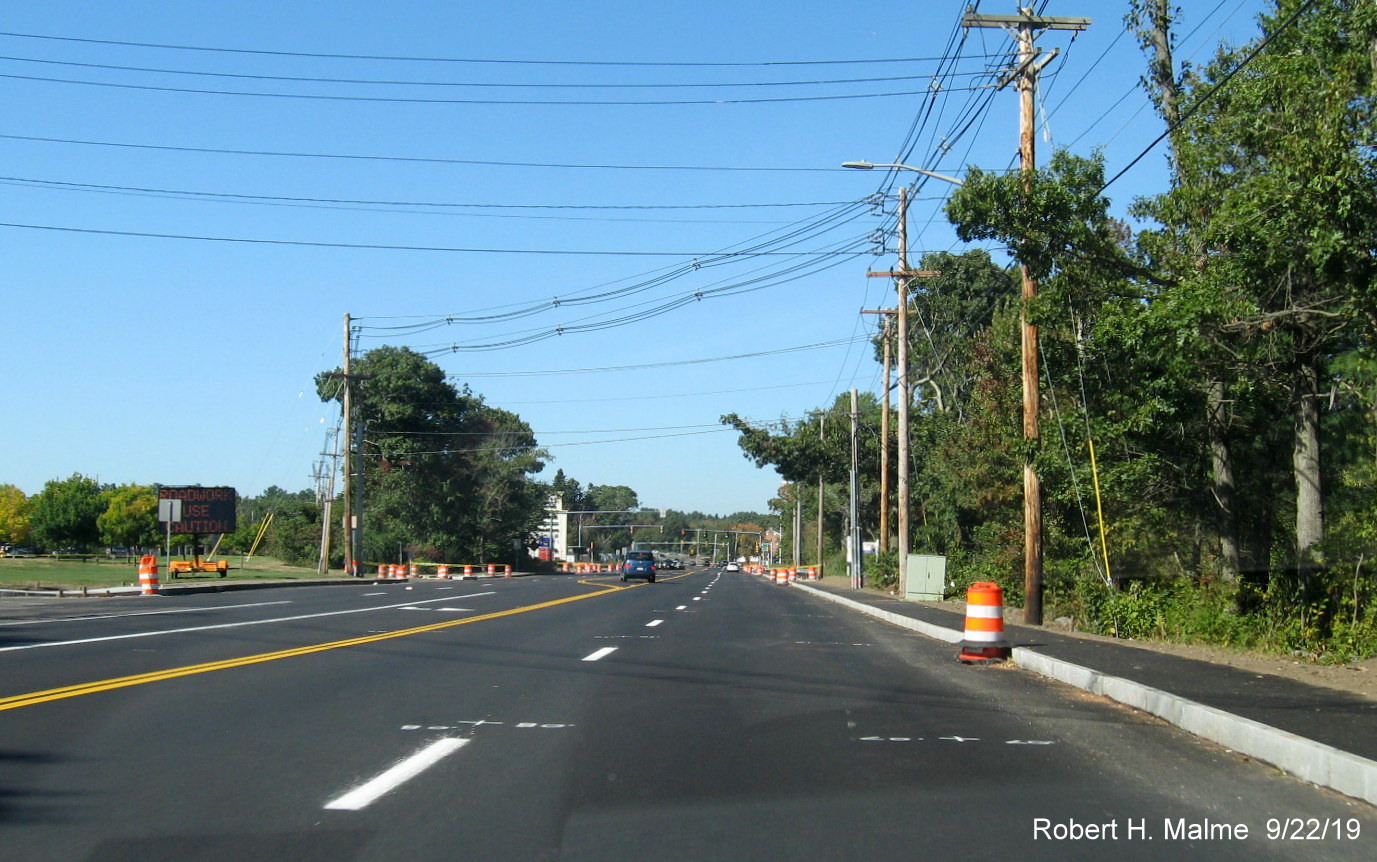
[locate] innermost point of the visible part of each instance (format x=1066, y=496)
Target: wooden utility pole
x=1024, y=26
x=884, y=432
x=352, y=436
x=884, y=450
x=902, y=276
x=348, y=439
x=855, y=554
x=822, y=424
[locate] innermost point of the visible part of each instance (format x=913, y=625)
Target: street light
x=1032, y=484
x=905, y=386
x=867, y=166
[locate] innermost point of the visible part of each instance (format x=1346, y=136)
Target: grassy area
x=46, y=572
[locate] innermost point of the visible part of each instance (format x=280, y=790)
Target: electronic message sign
x=204, y=510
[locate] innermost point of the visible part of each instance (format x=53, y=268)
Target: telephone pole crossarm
x=905, y=273
x=1038, y=22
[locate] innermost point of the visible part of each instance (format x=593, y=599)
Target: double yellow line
x=33, y=698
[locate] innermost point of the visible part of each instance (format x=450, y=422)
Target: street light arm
x=867, y=166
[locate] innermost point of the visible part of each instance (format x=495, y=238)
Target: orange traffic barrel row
x=984, y=641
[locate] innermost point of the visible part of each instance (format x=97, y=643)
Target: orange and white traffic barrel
x=148, y=575
x=442, y=572
x=508, y=571
x=468, y=571
x=492, y=569
x=781, y=576
x=984, y=638
x=415, y=570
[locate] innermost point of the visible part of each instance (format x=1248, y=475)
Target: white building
x=553, y=535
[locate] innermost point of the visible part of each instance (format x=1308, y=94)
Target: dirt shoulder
x=1357, y=678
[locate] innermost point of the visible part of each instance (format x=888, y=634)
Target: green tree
x=1288, y=118
x=130, y=518
x=507, y=505
x=446, y=476
x=807, y=451
x=945, y=312
x=64, y=513
x=14, y=516
x=293, y=537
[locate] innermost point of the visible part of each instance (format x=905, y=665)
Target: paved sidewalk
x=1319, y=734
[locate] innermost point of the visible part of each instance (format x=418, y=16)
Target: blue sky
x=184, y=229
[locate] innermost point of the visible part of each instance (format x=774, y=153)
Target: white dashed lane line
x=653, y=623
x=370, y=791
x=262, y=622
x=600, y=654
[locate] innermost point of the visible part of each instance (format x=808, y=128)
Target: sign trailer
x=196, y=510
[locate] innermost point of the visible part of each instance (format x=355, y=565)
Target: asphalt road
x=708, y=716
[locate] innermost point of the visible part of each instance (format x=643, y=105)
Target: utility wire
x=413, y=159
x=821, y=345
x=413, y=100
x=468, y=60
x=386, y=247
x=562, y=85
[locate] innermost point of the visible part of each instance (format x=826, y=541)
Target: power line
x=393, y=203
x=487, y=433
x=803, y=231
x=425, y=248
x=677, y=363
x=560, y=85
x=414, y=100
x=655, y=396
x=411, y=159
x=532, y=448
x=458, y=60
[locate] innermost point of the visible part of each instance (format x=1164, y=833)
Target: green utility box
x=927, y=577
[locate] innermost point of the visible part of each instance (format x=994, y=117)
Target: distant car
x=20, y=552
x=639, y=564
x=733, y=567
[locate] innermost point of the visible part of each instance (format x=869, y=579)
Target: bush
x=882, y=570
x=1333, y=625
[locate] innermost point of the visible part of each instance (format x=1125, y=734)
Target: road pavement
x=707, y=716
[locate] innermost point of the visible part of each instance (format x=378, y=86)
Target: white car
x=733, y=567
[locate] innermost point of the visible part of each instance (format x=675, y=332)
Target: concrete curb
x=1304, y=758
x=932, y=630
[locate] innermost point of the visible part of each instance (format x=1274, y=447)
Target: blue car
x=639, y=564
